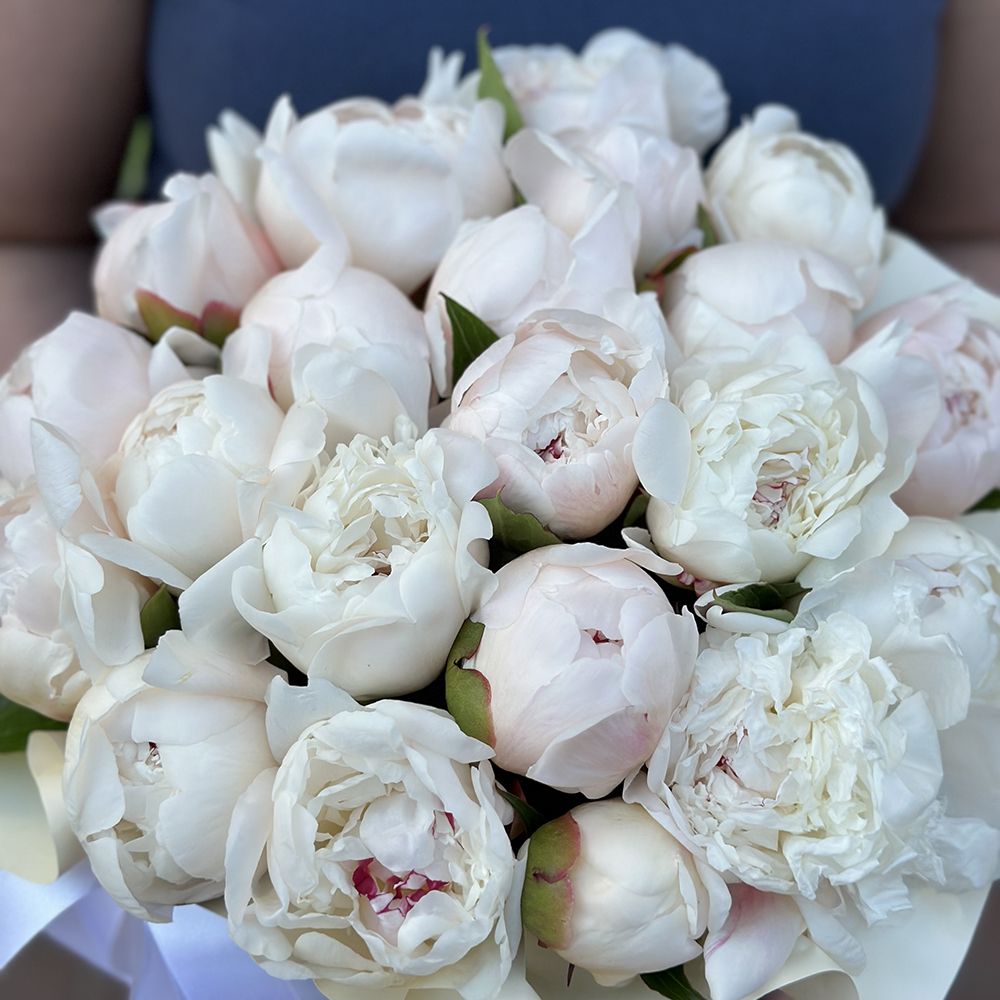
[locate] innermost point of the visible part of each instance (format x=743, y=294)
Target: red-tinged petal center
x=388, y=892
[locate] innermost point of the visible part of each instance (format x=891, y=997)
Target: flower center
x=388, y=892
x=963, y=405
x=771, y=499
x=553, y=451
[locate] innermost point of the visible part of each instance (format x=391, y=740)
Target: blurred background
x=912, y=85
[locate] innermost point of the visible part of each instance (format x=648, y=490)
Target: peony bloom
x=394, y=183
x=367, y=578
x=507, y=268
x=156, y=758
x=193, y=260
x=195, y=468
x=38, y=664
x=730, y=295
x=88, y=378
x=581, y=663
x=959, y=461
x=355, y=315
x=375, y=857
x=557, y=404
x=612, y=892
x=769, y=181
x=772, y=464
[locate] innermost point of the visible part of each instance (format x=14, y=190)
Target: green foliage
x=491, y=84
x=470, y=336
x=672, y=984
x=768, y=599
x=158, y=616
x=467, y=692
x=515, y=532
x=17, y=723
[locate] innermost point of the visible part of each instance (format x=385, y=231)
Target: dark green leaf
x=529, y=815
x=672, y=983
x=134, y=169
x=989, y=502
x=517, y=532
x=17, y=723
x=467, y=692
x=709, y=235
x=159, y=615
x=491, y=84
x=768, y=599
x=636, y=510
x=470, y=336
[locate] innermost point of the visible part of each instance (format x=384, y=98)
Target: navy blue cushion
x=856, y=70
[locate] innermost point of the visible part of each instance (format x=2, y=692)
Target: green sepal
x=158, y=315
x=467, y=691
x=17, y=723
x=470, y=336
x=491, y=84
x=671, y=983
x=547, y=897
x=218, y=321
x=709, y=234
x=529, y=816
x=158, y=616
x=636, y=510
x=767, y=599
x=989, y=502
x=517, y=532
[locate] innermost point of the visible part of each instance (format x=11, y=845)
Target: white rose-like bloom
x=959, y=461
x=770, y=181
x=88, y=378
x=731, y=294
x=557, y=404
x=612, y=892
x=367, y=579
x=775, y=465
x=328, y=303
x=156, y=758
x=38, y=664
x=194, y=469
x=800, y=764
x=197, y=256
x=581, y=663
x=507, y=268
x=376, y=856
x=395, y=182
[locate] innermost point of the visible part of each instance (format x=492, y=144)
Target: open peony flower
x=772, y=464
x=375, y=857
x=770, y=181
x=580, y=665
x=156, y=758
x=366, y=580
x=731, y=294
x=38, y=663
x=88, y=378
x=393, y=182
x=557, y=404
x=507, y=268
x=193, y=260
x=195, y=468
x=355, y=316
x=612, y=892
x=959, y=461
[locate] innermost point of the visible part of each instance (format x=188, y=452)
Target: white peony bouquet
x=494, y=530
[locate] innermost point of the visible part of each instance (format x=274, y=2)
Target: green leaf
x=517, y=532
x=158, y=315
x=989, y=502
x=710, y=236
x=158, y=615
x=528, y=814
x=491, y=84
x=672, y=983
x=636, y=510
x=17, y=723
x=134, y=169
x=467, y=692
x=470, y=336
x=768, y=599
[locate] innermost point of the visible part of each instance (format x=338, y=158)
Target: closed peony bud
x=581, y=663
x=770, y=181
x=611, y=891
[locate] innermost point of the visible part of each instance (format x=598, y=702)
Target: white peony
x=959, y=462
x=89, y=378
x=193, y=260
x=354, y=316
x=507, y=268
x=731, y=294
x=557, y=404
x=375, y=857
x=772, y=464
x=156, y=758
x=580, y=665
x=394, y=183
x=368, y=577
x=770, y=181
